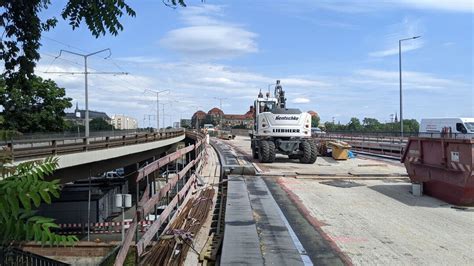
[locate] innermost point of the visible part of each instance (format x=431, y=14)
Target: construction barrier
x=99, y=228
x=443, y=166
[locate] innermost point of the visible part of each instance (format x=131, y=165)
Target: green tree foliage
x=41, y=108
x=24, y=24
x=315, y=121
x=354, y=125
x=373, y=125
x=99, y=124
x=23, y=188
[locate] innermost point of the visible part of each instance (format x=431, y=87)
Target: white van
x=453, y=125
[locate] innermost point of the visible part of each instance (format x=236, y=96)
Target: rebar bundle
x=175, y=243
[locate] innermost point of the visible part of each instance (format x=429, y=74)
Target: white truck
x=446, y=125
x=278, y=129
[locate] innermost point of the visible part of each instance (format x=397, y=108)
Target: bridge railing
x=20, y=257
x=385, y=143
x=37, y=148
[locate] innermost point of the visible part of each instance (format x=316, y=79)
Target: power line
x=85, y=56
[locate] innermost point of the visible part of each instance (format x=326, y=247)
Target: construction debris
x=176, y=241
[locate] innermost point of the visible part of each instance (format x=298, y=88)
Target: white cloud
x=209, y=37
x=300, y=100
x=406, y=29
x=364, y=6
x=446, y=5
x=211, y=42
x=304, y=83
x=392, y=51
x=412, y=80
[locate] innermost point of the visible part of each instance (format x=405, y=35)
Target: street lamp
x=400, y=75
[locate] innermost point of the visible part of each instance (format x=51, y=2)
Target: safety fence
x=384, y=143
x=148, y=202
x=37, y=148
x=376, y=144
x=100, y=228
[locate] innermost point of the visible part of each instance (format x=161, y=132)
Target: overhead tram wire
x=97, y=70
x=106, y=59
x=109, y=59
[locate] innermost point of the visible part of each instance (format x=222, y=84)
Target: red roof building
x=313, y=113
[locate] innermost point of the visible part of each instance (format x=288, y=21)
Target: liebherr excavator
x=278, y=129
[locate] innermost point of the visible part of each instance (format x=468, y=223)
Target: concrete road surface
x=367, y=212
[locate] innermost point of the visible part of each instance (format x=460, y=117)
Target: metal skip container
x=444, y=167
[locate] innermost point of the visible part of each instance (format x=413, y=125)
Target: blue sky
x=338, y=58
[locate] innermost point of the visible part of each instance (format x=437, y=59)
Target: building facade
x=79, y=116
x=215, y=116
x=124, y=122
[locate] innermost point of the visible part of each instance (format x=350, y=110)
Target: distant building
x=215, y=115
x=176, y=125
x=198, y=119
x=245, y=120
x=124, y=122
x=79, y=116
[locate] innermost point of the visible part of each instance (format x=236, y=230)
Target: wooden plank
x=150, y=168
x=153, y=229
x=148, y=206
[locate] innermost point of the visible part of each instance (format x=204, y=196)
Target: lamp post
x=400, y=76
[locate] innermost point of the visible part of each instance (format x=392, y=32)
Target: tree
x=371, y=124
x=354, y=124
x=24, y=27
x=315, y=121
x=98, y=124
x=23, y=188
x=411, y=126
x=41, y=109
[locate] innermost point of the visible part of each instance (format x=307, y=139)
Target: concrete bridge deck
x=361, y=212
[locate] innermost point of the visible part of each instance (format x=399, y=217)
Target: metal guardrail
x=37, y=148
x=92, y=134
x=384, y=143
x=17, y=257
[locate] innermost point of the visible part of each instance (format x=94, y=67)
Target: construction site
x=278, y=194
x=214, y=132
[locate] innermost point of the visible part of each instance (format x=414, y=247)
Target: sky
x=338, y=58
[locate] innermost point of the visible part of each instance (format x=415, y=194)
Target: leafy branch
x=23, y=188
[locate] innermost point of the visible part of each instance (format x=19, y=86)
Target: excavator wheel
x=266, y=153
x=310, y=152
